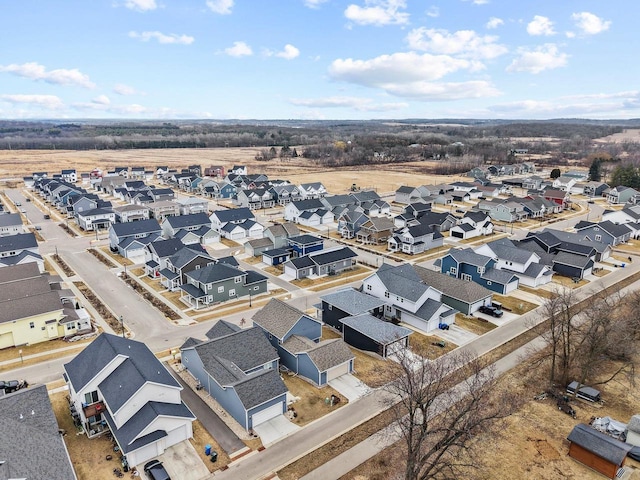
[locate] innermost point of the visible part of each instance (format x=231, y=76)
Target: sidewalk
x=43, y=354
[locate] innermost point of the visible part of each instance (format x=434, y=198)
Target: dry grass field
x=384, y=178
x=627, y=135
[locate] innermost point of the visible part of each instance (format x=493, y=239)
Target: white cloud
x=590, y=24
x=172, y=38
x=122, y=89
x=239, y=49
x=433, y=11
x=221, y=7
x=101, y=100
x=49, y=102
x=378, y=13
x=494, y=22
x=314, y=3
x=570, y=34
x=540, y=26
x=412, y=75
x=289, y=53
x=544, y=57
x=60, y=76
x=356, y=103
x=466, y=43
x=141, y=5
x=478, y=2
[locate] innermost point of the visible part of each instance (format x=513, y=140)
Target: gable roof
x=99, y=353
x=31, y=447
x=506, y=250
x=215, y=273
x=352, y=301
x=19, y=241
x=308, y=204
x=233, y=214
x=305, y=239
x=221, y=328
x=137, y=227
x=166, y=248
x=376, y=329
x=182, y=221
x=10, y=220
x=467, y=255
x=332, y=256
x=600, y=444
x=278, y=317
x=402, y=280
x=468, y=292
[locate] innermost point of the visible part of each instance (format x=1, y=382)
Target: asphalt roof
x=502, y=277
x=402, y=280
x=453, y=287
x=599, y=443
x=332, y=256
x=428, y=309
x=215, y=273
x=378, y=330
x=185, y=255
x=233, y=214
x=19, y=241
x=330, y=353
x=88, y=363
x=352, y=301
x=182, y=221
x=139, y=226
x=31, y=447
x=506, y=250
x=166, y=248
x=278, y=317
x=260, y=388
x=302, y=262
x=10, y=219
x=467, y=255
x=572, y=260
x=221, y=328
x=305, y=239
x=19, y=272
x=308, y=204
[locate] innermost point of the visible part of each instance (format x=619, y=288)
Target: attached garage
x=337, y=371
x=267, y=414
x=369, y=333
x=178, y=435
x=143, y=454
x=6, y=340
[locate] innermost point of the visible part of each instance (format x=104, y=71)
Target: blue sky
x=318, y=59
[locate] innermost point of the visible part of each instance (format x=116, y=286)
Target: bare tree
x=439, y=406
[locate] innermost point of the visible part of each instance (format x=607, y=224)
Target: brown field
x=627, y=135
x=19, y=163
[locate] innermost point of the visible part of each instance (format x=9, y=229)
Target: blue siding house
x=239, y=369
x=466, y=264
x=302, y=245
x=296, y=336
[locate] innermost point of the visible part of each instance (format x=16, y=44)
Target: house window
x=386, y=294
x=466, y=276
x=238, y=279
x=368, y=287
x=480, y=270
x=210, y=298
x=197, y=267
x=91, y=397
x=32, y=325
x=232, y=292
x=598, y=238
x=330, y=307
x=453, y=271
x=221, y=289
x=70, y=326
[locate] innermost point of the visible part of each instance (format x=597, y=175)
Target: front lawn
x=311, y=404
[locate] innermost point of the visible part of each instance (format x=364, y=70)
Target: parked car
x=18, y=204
x=9, y=386
x=491, y=310
x=156, y=471
x=28, y=199
x=23, y=210
x=38, y=227
x=46, y=216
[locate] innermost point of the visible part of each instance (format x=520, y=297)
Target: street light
x=250, y=297
x=20, y=353
x=122, y=324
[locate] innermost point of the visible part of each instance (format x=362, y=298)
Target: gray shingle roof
x=132, y=228
x=352, y=301
x=260, y=388
x=221, y=328
x=233, y=215
x=402, y=280
x=185, y=255
x=378, y=330
x=599, y=444
x=305, y=239
x=468, y=292
x=506, y=250
x=502, y=277
x=278, y=317
x=166, y=248
x=182, y=221
x=19, y=272
x=31, y=446
x=332, y=256
x=19, y=241
x=468, y=256
x=572, y=260
x=88, y=363
x=428, y=309
x=217, y=272
x=330, y=353
x=302, y=262
x=309, y=204
x=10, y=219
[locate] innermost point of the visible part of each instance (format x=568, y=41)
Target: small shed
x=597, y=450
x=276, y=256
x=633, y=431
x=367, y=332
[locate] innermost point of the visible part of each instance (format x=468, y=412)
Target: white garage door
x=237, y=235
x=143, y=454
x=335, y=372
x=176, y=435
x=290, y=271
x=267, y=414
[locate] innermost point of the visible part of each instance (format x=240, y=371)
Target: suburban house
x=161, y=194
x=628, y=215
x=119, y=384
x=416, y=239
x=406, y=194
x=96, y=219
x=10, y=224
x=238, y=170
x=350, y=222
x=597, y=450
x=130, y=239
x=254, y=199
x=408, y=299
x=442, y=222
x=163, y=209
x=28, y=415
x=284, y=194
x=131, y=213
x=220, y=282
x=19, y=249
x=461, y=295
x=220, y=218
x=472, y=224
x=594, y=189
x=564, y=183
x=180, y=263
x=69, y=175
x=280, y=233
x=606, y=232
x=36, y=309
x=191, y=205
x=345, y=303
x=371, y=203
x=559, y=197
x=503, y=210
x=310, y=212
x=297, y=338
x=326, y=262
x=312, y=190
x=622, y=195
x=172, y=226
x=304, y=244
x=276, y=256
x=239, y=369
x=468, y=265
x=157, y=253
x=375, y=230
x=214, y=171
x=523, y=263
x=256, y=246
x=242, y=230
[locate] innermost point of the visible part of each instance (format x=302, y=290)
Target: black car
x=155, y=470
x=491, y=310
x=9, y=386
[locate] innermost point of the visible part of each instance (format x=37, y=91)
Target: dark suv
x=155, y=470
x=10, y=386
x=491, y=310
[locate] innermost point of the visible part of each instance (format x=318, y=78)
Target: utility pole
x=122, y=324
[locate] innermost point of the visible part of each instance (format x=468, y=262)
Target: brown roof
x=29, y=306
x=19, y=272
x=277, y=317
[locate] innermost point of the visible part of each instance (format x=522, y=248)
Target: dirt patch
x=311, y=401
x=475, y=325
x=100, y=307
x=515, y=305
x=200, y=439
x=101, y=258
x=151, y=298
x=428, y=346
x=370, y=369
x=63, y=265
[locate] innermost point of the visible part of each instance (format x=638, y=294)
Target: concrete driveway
x=181, y=462
x=456, y=334
x=349, y=386
x=505, y=318
x=275, y=429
